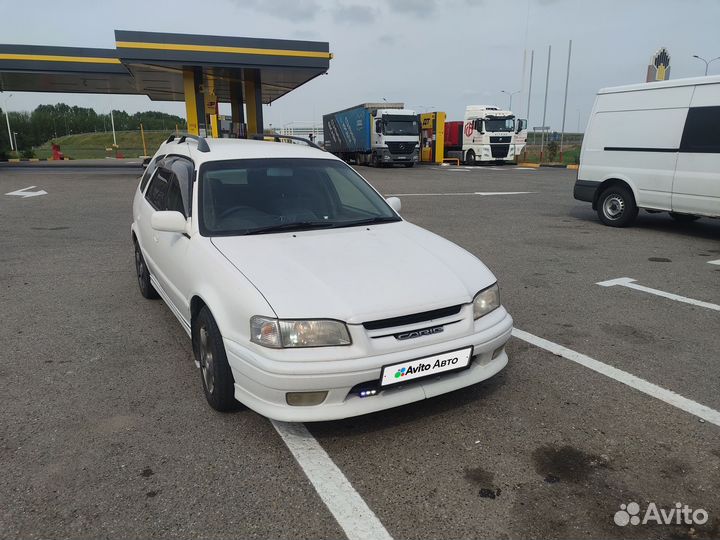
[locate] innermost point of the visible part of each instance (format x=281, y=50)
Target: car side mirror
x=378, y=126
x=394, y=203
x=169, y=221
x=146, y=162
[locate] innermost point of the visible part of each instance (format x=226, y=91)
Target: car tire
x=143, y=275
x=215, y=373
x=616, y=206
x=470, y=157
x=684, y=218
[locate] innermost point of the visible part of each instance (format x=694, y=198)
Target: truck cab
x=395, y=137
x=492, y=134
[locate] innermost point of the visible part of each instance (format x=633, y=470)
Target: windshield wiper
x=368, y=221
x=292, y=226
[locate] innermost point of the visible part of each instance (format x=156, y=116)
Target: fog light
x=368, y=392
x=304, y=399
x=497, y=352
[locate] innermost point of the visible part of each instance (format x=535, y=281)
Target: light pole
x=7, y=121
x=707, y=62
x=17, y=150
x=511, y=94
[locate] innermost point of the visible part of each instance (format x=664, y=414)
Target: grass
x=95, y=145
x=571, y=155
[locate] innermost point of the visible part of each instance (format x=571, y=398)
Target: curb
x=549, y=165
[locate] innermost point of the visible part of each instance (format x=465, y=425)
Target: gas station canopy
x=196, y=69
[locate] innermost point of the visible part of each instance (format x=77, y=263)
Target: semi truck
x=376, y=134
x=487, y=134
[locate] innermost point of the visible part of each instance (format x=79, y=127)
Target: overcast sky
x=431, y=54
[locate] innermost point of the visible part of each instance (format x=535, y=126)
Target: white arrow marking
x=24, y=193
x=715, y=262
x=630, y=284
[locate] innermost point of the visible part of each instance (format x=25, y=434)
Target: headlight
x=298, y=333
x=486, y=301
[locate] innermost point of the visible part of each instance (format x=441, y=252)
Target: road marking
x=646, y=387
x=525, y=168
x=630, y=283
x=483, y=193
x=715, y=262
x=344, y=503
x=24, y=193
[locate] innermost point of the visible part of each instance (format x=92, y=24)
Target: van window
x=702, y=130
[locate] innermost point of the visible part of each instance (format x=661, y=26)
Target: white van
x=654, y=146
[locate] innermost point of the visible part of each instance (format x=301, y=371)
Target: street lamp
x=511, y=94
x=707, y=62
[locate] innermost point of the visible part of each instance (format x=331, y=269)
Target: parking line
x=483, y=193
x=345, y=504
x=715, y=262
x=630, y=284
x=646, y=387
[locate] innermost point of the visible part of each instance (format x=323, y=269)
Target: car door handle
x=155, y=238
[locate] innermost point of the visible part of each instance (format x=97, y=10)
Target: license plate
x=424, y=367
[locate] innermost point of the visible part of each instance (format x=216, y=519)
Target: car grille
x=494, y=140
x=401, y=147
x=412, y=319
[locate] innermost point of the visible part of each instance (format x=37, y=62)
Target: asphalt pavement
x=105, y=432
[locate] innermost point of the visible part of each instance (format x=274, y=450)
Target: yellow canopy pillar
x=253, y=101
x=236, y=110
x=194, y=102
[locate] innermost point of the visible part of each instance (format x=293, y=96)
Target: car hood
x=356, y=274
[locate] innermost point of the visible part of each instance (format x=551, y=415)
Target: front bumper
x=261, y=383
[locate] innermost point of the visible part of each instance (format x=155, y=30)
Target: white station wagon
x=306, y=296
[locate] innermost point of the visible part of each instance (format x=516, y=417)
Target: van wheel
x=683, y=218
x=215, y=373
x=616, y=206
x=470, y=157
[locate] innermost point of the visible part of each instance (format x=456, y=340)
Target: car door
x=696, y=185
x=153, y=200
x=170, y=248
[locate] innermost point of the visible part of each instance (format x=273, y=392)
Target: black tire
x=616, y=206
x=470, y=157
x=143, y=275
x=217, y=379
x=683, y=218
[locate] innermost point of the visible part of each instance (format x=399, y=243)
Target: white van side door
x=696, y=186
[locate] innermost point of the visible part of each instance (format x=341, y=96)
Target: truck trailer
x=377, y=134
x=487, y=134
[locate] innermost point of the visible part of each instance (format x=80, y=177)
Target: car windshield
x=500, y=124
x=258, y=196
x=399, y=124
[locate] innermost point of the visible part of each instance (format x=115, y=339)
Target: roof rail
x=202, y=144
x=278, y=136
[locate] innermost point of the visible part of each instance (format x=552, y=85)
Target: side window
x=149, y=172
x=702, y=131
x=157, y=192
x=184, y=171
x=174, y=197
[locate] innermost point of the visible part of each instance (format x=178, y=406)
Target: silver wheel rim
x=613, y=206
x=207, y=364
